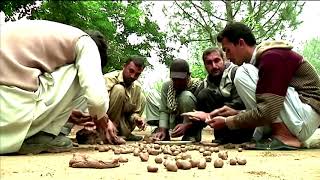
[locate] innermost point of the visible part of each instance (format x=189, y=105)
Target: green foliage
x=197, y=23
x=198, y=71
x=311, y=52
x=117, y=20
x=20, y=8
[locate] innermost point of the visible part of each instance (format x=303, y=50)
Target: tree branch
x=204, y=20
x=188, y=14
x=238, y=8
x=209, y=13
x=197, y=40
x=275, y=12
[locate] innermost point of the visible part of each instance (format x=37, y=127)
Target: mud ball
x=152, y=168
x=233, y=162
x=218, y=163
x=158, y=160
x=202, y=164
x=241, y=161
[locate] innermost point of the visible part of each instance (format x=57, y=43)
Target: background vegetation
x=190, y=23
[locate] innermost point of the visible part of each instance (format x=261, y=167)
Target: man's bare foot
x=84, y=161
x=282, y=133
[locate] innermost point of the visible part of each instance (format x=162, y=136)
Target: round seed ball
x=223, y=155
x=208, y=158
x=202, y=164
x=144, y=156
x=233, y=162
x=215, y=149
x=152, y=168
x=171, y=166
x=194, y=163
x=123, y=159
x=158, y=160
x=241, y=161
x=218, y=163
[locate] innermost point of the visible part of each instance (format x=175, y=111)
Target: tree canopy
x=311, y=52
x=196, y=23
x=115, y=19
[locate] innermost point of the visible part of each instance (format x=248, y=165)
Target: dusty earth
x=301, y=164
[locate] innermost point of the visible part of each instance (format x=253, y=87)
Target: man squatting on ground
x=280, y=89
x=217, y=91
x=47, y=69
x=163, y=108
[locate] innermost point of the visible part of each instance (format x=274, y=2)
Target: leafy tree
x=20, y=8
x=196, y=23
x=116, y=20
x=311, y=52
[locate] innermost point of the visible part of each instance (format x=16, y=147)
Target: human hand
x=196, y=115
x=79, y=118
x=218, y=122
x=140, y=122
x=224, y=111
x=108, y=131
x=161, y=134
x=180, y=129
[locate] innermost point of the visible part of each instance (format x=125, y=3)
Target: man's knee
x=186, y=97
x=203, y=95
x=118, y=91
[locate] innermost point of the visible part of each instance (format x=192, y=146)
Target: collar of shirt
x=120, y=77
x=253, y=58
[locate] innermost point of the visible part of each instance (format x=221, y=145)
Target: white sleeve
x=90, y=75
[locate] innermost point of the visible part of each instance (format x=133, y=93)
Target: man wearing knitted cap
x=176, y=97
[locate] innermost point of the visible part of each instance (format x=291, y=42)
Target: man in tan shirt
x=127, y=100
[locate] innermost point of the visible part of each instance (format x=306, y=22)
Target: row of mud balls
x=182, y=159
x=188, y=163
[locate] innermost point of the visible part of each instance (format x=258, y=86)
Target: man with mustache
x=217, y=93
x=127, y=100
x=280, y=89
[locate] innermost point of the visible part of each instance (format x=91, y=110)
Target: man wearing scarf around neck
x=176, y=97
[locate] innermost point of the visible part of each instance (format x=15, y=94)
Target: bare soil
x=299, y=164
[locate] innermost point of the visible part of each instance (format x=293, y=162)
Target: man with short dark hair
x=217, y=93
x=176, y=97
x=127, y=100
x=280, y=89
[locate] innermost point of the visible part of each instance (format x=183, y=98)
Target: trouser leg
x=46, y=110
x=300, y=118
x=187, y=102
x=152, y=108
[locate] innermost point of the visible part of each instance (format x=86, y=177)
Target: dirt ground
x=301, y=164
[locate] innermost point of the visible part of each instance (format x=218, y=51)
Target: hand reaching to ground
x=160, y=135
x=108, y=131
x=140, y=122
x=180, y=129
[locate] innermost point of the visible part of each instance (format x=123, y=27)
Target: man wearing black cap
x=176, y=97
